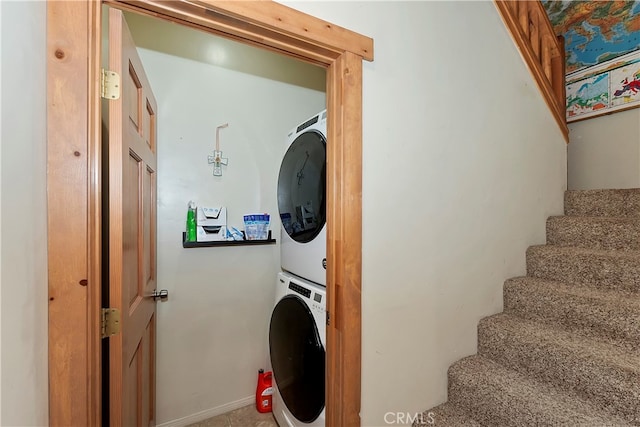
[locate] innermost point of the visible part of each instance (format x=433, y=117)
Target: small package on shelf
x=256, y=226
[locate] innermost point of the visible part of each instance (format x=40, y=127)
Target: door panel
x=148, y=221
x=133, y=95
x=130, y=417
x=131, y=196
x=132, y=233
x=149, y=126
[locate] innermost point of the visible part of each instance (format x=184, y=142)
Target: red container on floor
x=264, y=391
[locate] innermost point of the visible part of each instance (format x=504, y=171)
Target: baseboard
x=209, y=413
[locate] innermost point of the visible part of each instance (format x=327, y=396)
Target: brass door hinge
x=110, y=322
x=109, y=84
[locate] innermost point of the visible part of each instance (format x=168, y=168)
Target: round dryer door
x=301, y=187
x=297, y=358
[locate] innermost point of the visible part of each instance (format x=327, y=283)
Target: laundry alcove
x=212, y=333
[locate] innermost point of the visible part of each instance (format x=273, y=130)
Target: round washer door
x=301, y=187
x=297, y=358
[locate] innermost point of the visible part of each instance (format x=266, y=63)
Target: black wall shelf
x=185, y=244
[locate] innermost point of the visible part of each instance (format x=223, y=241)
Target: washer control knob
x=324, y=263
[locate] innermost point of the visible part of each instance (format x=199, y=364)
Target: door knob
x=163, y=295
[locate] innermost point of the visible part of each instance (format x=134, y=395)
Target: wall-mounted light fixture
x=216, y=159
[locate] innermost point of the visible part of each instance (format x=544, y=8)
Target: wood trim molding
x=344, y=254
x=531, y=58
x=94, y=253
x=263, y=23
x=73, y=214
x=74, y=185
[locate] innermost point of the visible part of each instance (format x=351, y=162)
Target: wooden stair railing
x=542, y=51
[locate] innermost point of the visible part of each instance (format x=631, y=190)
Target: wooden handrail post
x=558, y=71
x=523, y=16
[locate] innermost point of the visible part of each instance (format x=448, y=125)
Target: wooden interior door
x=132, y=233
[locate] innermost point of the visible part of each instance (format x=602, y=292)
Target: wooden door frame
x=74, y=184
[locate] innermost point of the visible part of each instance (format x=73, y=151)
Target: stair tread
x=618, y=202
x=600, y=294
x=446, y=415
x=573, y=250
x=597, y=219
x=609, y=233
x=600, y=352
x=509, y=398
x=610, y=269
x=614, y=314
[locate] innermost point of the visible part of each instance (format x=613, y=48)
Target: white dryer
x=297, y=341
x=302, y=200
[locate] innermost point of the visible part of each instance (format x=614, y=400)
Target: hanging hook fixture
x=216, y=159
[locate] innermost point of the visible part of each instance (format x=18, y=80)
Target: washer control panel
x=315, y=300
x=300, y=289
x=316, y=304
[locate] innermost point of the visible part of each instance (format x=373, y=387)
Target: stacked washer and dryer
x=297, y=332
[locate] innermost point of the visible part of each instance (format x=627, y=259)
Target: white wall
x=212, y=332
x=604, y=152
x=462, y=165
x=491, y=168
x=23, y=215
x=1, y=117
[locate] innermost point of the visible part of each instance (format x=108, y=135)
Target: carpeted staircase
x=566, y=349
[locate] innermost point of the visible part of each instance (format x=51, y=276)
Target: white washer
x=297, y=341
x=302, y=200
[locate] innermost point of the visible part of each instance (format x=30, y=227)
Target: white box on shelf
x=211, y=224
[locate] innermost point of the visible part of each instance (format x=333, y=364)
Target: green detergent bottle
x=191, y=222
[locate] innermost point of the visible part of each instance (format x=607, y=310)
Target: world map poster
x=595, y=31
x=608, y=87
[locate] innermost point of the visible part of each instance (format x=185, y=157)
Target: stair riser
x=605, y=384
x=593, y=234
x=602, y=203
x=619, y=272
x=588, y=316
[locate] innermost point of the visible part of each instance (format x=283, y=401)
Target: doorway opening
x=212, y=331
